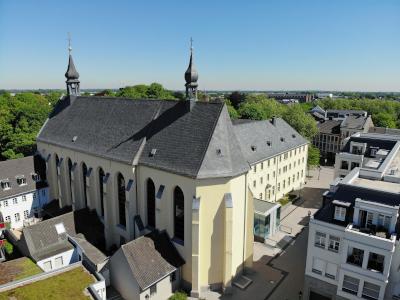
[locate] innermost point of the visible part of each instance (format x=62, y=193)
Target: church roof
x=167, y=135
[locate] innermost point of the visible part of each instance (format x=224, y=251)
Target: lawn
x=17, y=269
x=68, y=285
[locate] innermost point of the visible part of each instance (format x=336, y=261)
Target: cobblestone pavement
x=278, y=273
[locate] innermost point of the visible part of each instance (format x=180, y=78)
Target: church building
x=178, y=167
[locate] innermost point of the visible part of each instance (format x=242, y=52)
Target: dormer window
x=282, y=139
x=36, y=177
x=253, y=148
x=5, y=184
x=340, y=213
x=21, y=180
x=269, y=143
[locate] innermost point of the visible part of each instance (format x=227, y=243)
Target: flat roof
x=262, y=206
x=377, y=185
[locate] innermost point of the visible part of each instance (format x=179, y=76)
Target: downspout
x=245, y=219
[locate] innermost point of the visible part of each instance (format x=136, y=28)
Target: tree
x=302, y=122
x=231, y=110
x=142, y=91
x=8, y=247
x=313, y=156
x=236, y=98
x=383, y=119
x=178, y=296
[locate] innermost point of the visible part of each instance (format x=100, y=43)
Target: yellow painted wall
x=212, y=205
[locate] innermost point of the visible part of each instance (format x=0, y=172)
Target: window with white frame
x=15, y=201
x=334, y=243
x=350, y=285
x=370, y=290
x=318, y=266
x=58, y=262
x=5, y=203
x=262, y=166
x=384, y=221
x=340, y=213
x=153, y=289
x=8, y=219
x=34, y=196
x=47, y=266
x=331, y=271
x=21, y=180
x=320, y=239
x=26, y=214
x=17, y=217
x=24, y=198
x=254, y=183
x=5, y=184
x=261, y=180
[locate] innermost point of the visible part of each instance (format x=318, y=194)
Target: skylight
x=60, y=228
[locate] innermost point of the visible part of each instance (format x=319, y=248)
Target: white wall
x=164, y=290
x=25, y=202
x=68, y=258
x=262, y=173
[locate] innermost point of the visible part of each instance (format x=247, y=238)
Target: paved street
x=279, y=272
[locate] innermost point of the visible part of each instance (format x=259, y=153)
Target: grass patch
x=68, y=285
x=29, y=268
x=17, y=269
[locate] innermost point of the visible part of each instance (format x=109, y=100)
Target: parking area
x=278, y=273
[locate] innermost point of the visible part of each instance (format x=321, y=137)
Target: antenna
x=69, y=43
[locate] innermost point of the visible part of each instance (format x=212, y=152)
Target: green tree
x=142, y=91
x=178, y=296
x=313, y=156
x=8, y=247
x=384, y=119
x=236, y=98
x=302, y=122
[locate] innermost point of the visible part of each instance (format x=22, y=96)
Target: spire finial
x=191, y=44
x=191, y=77
x=69, y=43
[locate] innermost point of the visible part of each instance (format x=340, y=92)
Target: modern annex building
x=23, y=190
x=353, y=244
x=174, y=166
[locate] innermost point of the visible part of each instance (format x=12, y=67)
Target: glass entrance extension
x=262, y=226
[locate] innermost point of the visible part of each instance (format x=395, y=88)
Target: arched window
x=179, y=214
x=101, y=192
x=84, y=174
x=151, y=203
x=121, y=199
x=70, y=176
x=57, y=162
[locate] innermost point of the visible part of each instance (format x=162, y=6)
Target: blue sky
x=271, y=45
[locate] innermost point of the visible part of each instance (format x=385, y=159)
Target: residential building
x=335, y=127
x=146, y=268
x=61, y=241
x=328, y=138
x=384, y=130
x=353, y=249
x=373, y=153
x=152, y=164
x=300, y=97
x=23, y=189
x=277, y=155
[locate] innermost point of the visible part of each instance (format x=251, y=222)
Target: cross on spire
x=69, y=43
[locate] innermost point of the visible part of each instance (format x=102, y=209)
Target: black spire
x=191, y=77
x=72, y=74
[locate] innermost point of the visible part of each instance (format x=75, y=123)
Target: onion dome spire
x=72, y=74
x=191, y=77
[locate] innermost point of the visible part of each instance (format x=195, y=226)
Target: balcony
x=374, y=236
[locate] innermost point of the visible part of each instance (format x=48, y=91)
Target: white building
x=23, y=189
x=277, y=155
x=353, y=248
x=374, y=153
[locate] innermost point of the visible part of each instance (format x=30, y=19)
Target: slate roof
x=128, y=130
x=91, y=252
x=329, y=127
x=164, y=246
x=43, y=240
x=10, y=169
x=354, y=122
x=145, y=262
x=349, y=193
x=253, y=138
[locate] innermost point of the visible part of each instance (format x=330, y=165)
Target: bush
x=8, y=247
x=178, y=296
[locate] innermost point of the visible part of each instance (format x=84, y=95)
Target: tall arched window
x=70, y=176
x=101, y=192
x=84, y=174
x=121, y=199
x=179, y=214
x=151, y=203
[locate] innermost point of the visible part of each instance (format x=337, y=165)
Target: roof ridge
x=209, y=139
